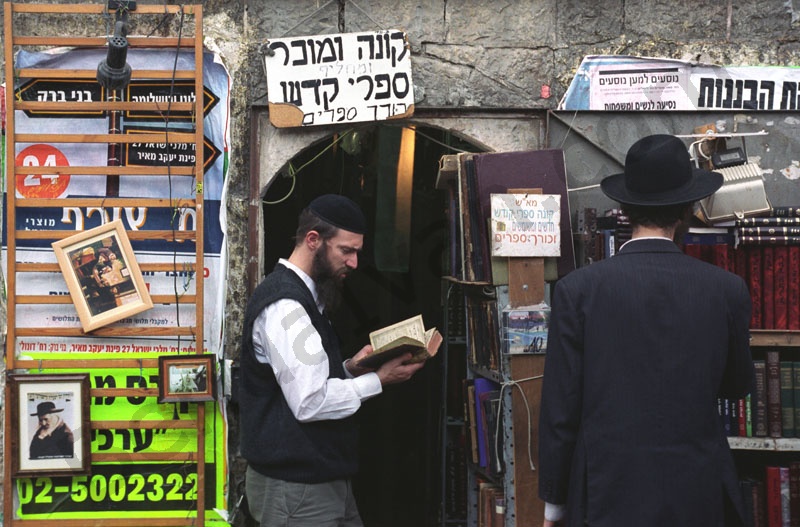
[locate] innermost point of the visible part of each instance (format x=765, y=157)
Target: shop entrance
x=399, y=275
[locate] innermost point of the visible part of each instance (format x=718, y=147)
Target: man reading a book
x=297, y=396
x=640, y=347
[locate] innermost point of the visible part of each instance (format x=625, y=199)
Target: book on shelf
x=785, y=211
x=488, y=496
x=456, y=476
x=724, y=412
x=499, y=510
x=767, y=221
x=483, y=330
x=406, y=336
x=769, y=240
x=787, y=399
x=793, y=288
x=586, y=229
x=772, y=495
x=740, y=265
x=747, y=486
x=786, y=512
x=767, y=287
x=769, y=231
x=470, y=420
x=796, y=396
x=482, y=386
x=759, y=399
x=493, y=427
x=759, y=504
x=794, y=494
x=780, y=287
x=754, y=284
x=745, y=426
x=774, y=411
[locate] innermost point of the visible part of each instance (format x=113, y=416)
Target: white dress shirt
x=284, y=337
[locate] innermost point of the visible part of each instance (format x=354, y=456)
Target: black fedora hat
x=659, y=171
x=46, y=408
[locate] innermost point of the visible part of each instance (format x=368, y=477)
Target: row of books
x=772, y=274
x=491, y=504
x=599, y=237
x=455, y=502
x=780, y=227
x=773, y=499
x=773, y=409
x=483, y=333
x=483, y=422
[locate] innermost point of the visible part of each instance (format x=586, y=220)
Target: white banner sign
x=341, y=78
x=623, y=83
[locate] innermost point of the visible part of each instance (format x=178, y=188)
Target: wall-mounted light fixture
x=114, y=73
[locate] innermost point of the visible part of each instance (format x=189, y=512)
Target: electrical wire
x=516, y=384
x=294, y=171
x=175, y=213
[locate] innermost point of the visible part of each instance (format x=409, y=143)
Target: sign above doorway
x=339, y=78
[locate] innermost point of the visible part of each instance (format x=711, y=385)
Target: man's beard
x=328, y=280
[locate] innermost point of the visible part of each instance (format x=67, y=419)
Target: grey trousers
x=278, y=503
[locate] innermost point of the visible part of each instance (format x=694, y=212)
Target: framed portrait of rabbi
x=51, y=416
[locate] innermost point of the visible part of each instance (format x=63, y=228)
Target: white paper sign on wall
x=526, y=225
x=339, y=78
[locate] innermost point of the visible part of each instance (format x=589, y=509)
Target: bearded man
x=53, y=438
x=297, y=396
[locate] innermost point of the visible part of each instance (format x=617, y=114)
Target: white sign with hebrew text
x=526, y=225
x=339, y=78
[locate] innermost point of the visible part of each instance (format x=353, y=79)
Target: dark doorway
x=400, y=275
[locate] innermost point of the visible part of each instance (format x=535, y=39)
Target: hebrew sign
x=339, y=78
x=526, y=225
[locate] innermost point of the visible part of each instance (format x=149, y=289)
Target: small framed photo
x=50, y=424
x=102, y=275
x=186, y=378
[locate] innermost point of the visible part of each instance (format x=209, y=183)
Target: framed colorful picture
x=50, y=424
x=102, y=275
x=186, y=378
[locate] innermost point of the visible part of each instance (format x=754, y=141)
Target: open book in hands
x=400, y=338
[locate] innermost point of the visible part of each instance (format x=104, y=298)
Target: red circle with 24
x=41, y=185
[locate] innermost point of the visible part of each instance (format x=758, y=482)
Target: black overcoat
x=640, y=348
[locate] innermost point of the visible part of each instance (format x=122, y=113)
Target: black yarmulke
x=340, y=212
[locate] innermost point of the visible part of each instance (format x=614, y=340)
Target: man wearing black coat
x=640, y=347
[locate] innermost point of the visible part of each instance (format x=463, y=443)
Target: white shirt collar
x=312, y=286
x=644, y=238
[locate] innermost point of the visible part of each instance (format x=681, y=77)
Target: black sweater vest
x=273, y=442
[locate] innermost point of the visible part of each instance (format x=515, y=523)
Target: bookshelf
x=769, y=467
x=518, y=378
x=497, y=496
x=767, y=444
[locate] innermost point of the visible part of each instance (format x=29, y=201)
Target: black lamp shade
x=114, y=73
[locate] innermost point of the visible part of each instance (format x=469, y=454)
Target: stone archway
x=274, y=148
x=399, y=429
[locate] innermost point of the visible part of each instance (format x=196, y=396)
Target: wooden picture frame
x=186, y=378
x=60, y=403
x=102, y=275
